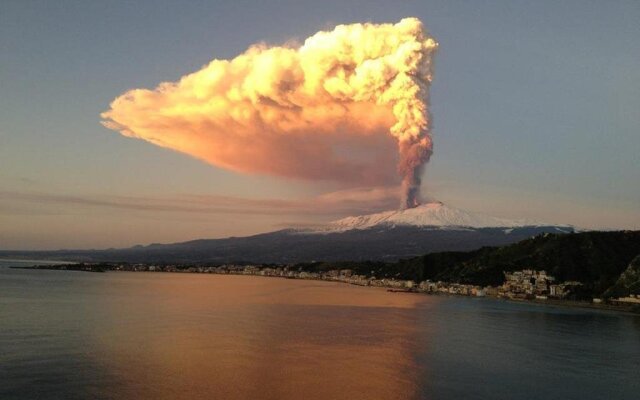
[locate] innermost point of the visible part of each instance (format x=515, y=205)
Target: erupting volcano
x=302, y=111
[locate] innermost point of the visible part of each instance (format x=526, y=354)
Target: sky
x=535, y=115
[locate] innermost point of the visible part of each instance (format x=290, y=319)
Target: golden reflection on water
x=231, y=337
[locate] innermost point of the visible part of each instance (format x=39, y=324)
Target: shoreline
x=576, y=304
x=391, y=286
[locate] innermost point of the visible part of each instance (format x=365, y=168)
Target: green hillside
x=596, y=259
x=628, y=282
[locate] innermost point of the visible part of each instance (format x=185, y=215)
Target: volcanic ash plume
x=328, y=109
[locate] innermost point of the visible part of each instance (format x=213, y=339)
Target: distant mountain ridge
x=386, y=236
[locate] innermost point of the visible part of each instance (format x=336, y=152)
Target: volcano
x=433, y=215
x=385, y=236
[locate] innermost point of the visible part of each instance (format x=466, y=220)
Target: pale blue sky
x=536, y=109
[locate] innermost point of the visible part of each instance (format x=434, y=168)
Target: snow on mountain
x=427, y=215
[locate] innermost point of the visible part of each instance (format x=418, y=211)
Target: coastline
x=576, y=304
x=391, y=285
x=32, y=261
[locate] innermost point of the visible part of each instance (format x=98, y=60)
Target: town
x=525, y=284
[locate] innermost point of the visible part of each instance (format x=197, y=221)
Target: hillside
x=597, y=259
x=628, y=283
x=387, y=236
x=290, y=246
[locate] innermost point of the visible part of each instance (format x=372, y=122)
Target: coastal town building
x=529, y=284
x=526, y=283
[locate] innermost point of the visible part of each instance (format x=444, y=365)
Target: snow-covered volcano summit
x=434, y=214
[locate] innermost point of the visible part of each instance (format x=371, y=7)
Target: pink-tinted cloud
x=338, y=204
x=335, y=108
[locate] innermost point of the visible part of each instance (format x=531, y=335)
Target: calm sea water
x=79, y=335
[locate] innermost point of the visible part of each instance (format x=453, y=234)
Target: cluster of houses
x=529, y=283
x=342, y=275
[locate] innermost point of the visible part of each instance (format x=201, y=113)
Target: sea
x=140, y=335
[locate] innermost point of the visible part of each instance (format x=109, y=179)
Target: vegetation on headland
x=596, y=259
x=628, y=283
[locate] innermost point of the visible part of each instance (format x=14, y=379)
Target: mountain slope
x=385, y=236
x=434, y=214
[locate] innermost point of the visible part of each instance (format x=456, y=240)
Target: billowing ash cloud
x=329, y=109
